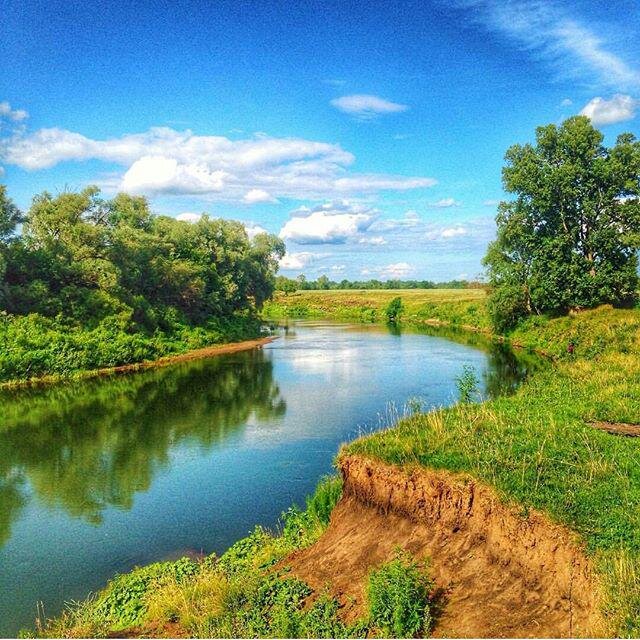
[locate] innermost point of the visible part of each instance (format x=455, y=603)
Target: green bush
x=394, y=310
x=398, y=594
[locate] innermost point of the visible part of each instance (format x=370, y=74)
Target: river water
x=99, y=476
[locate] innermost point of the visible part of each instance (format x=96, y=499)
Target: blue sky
x=369, y=135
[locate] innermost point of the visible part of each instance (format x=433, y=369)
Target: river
x=99, y=476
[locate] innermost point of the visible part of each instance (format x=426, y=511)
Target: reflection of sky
x=335, y=380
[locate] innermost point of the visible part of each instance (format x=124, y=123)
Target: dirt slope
x=498, y=573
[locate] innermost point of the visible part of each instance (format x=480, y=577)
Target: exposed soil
x=618, y=428
x=498, y=572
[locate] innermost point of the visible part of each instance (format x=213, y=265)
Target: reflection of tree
x=90, y=445
x=506, y=368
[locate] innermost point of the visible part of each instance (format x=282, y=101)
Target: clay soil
x=498, y=572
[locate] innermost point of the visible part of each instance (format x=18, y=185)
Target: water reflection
x=85, y=446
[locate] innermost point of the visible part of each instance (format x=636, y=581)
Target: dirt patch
x=618, y=428
x=499, y=573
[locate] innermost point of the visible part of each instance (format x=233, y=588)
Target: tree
x=570, y=238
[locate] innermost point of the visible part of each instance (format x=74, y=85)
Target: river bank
x=164, y=361
x=535, y=450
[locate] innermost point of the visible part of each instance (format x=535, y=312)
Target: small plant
x=467, y=384
x=394, y=310
x=398, y=594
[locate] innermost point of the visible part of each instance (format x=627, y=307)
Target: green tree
x=570, y=238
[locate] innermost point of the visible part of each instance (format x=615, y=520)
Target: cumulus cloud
x=409, y=220
x=396, y=270
x=366, y=106
x=253, y=229
x=188, y=216
x=165, y=161
x=331, y=223
x=255, y=196
x=617, y=109
x=447, y=233
x=567, y=102
x=16, y=115
x=445, y=203
x=297, y=261
x=375, y=241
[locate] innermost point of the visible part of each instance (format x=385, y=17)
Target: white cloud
x=447, y=233
x=617, y=109
x=396, y=270
x=551, y=32
x=491, y=203
x=187, y=216
x=409, y=220
x=297, y=261
x=331, y=223
x=253, y=229
x=445, y=203
x=366, y=106
x=16, y=115
x=567, y=102
x=165, y=161
x=159, y=174
x=255, y=196
x=375, y=241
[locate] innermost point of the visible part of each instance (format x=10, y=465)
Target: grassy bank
x=36, y=349
x=539, y=448
x=248, y=592
x=458, y=307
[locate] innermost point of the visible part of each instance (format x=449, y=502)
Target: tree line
x=323, y=283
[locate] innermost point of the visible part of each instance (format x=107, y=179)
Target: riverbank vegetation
x=456, y=307
x=87, y=283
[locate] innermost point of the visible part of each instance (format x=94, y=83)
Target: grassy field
x=537, y=448
x=461, y=307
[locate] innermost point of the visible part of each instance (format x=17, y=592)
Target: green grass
x=459, y=307
x=537, y=448
x=249, y=592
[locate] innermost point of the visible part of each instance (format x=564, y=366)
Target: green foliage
x=109, y=283
x=241, y=594
x=122, y=604
x=394, y=310
x=467, y=384
x=398, y=594
x=571, y=236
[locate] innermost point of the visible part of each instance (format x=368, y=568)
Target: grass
x=248, y=592
x=537, y=448
x=458, y=307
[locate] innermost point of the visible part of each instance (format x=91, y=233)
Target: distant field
x=453, y=306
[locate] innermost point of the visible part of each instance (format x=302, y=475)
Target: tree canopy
x=84, y=258
x=571, y=236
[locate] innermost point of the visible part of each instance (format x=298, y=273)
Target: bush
x=398, y=595
x=394, y=310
